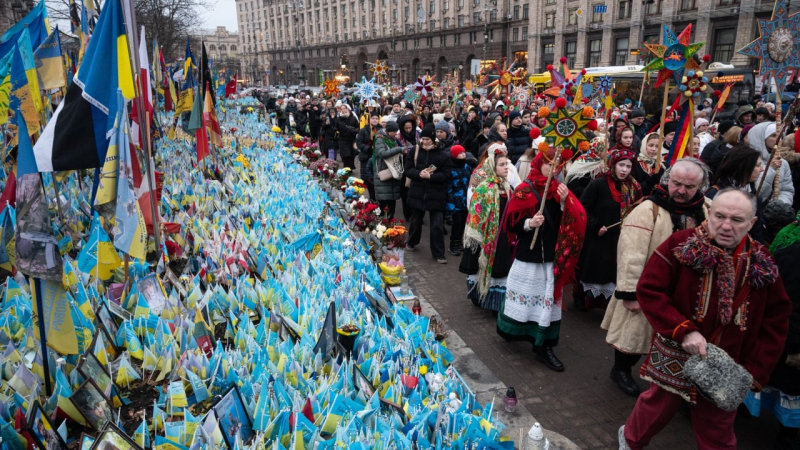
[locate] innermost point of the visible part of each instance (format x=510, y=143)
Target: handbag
x=394, y=170
x=416, y=153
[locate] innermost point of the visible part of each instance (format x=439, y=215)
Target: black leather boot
x=548, y=357
x=624, y=381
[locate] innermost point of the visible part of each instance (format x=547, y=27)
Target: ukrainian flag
x=5, y=87
x=98, y=257
x=49, y=63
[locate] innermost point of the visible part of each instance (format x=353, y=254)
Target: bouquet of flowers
x=323, y=163
x=394, y=237
x=367, y=215
x=341, y=178
x=355, y=187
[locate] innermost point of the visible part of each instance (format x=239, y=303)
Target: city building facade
x=223, y=48
x=601, y=33
x=308, y=41
x=12, y=11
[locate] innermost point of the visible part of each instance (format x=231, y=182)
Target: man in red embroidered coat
x=691, y=286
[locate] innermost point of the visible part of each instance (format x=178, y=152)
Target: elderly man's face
x=684, y=181
x=730, y=219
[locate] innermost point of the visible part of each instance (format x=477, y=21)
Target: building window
x=516, y=12
x=446, y=23
x=550, y=20
x=460, y=4
x=525, y=9
x=473, y=37
x=432, y=7
x=549, y=49
x=476, y=17
x=728, y=2
x=550, y=2
x=596, y=16
x=456, y=39
x=442, y=39
x=572, y=16
x=620, y=51
x=492, y=15
x=571, y=51
x=625, y=9
x=446, y=5
x=724, y=40
x=429, y=41
x=687, y=5
x=460, y=20
x=655, y=8
x=524, y=33
x=595, y=48
x=515, y=34
x=433, y=25
x=405, y=13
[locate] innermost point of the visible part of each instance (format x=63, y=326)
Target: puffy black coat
x=428, y=194
x=516, y=143
x=315, y=117
x=364, y=143
x=390, y=189
x=348, y=128
x=468, y=136
x=329, y=132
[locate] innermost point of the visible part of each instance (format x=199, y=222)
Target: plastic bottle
x=535, y=439
x=404, y=289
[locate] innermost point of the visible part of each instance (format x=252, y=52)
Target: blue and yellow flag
x=25, y=95
x=35, y=23
x=98, y=256
x=5, y=87
x=49, y=63
x=130, y=230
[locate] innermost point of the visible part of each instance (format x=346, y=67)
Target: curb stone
x=486, y=386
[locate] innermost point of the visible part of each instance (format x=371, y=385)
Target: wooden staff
x=776, y=181
x=544, y=196
x=663, y=122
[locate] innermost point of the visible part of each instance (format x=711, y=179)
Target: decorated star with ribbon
x=604, y=84
x=379, y=69
x=778, y=44
x=331, y=88
x=424, y=86
x=674, y=56
x=563, y=83
x=410, y=96
x=566, y=128
x=499, y=79
x=367, y=88
x=693, y=84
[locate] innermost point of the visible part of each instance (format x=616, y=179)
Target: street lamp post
x=486, y=12
x=297, y=6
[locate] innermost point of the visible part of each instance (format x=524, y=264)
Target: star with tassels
x=778, y=46
x=674, y=56
x=331, y=88
x=567, y=128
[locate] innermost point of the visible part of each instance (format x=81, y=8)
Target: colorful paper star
x=367, y=88
x=777, y=45
x=423, y=86
x=674, y=56
x=331, y=88
x=502, y=78
x=566, y=129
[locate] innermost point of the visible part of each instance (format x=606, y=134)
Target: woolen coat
x=598, y=262
x=428, y=194
x=629, y=332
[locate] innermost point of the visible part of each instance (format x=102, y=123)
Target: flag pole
x=130, y=24
x=42, y=335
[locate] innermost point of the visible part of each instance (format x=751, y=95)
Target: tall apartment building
x=296, y=41
x=589, y=38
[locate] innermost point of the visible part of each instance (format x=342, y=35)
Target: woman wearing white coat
x=763, y=138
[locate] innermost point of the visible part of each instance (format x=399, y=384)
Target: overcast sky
x=222, y=14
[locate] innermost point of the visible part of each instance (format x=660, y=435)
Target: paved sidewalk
x=581, y=403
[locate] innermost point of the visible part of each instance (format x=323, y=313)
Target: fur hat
x=719, y=378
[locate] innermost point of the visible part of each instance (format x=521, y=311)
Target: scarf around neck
x=628, y=192
x=693, y=209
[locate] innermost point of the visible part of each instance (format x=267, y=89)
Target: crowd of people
x=478, y=172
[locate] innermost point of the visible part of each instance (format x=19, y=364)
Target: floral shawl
x=483, y=219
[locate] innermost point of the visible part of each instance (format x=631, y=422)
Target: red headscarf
x=524, y=205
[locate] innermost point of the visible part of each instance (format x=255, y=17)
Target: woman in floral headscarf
x=587, y=167
x=487, y=258
x=644, y=168
x=532, y=308
x=607, y=200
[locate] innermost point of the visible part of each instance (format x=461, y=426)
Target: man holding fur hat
x=708, y=285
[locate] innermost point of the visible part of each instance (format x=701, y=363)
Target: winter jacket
x=428, y=194
x=315, y=117
x=389, y=189
x=516, y=143
x=639, y=237
x=756, y=139
x=347, y=128
x=329, y=132
x=364, y=143
x=744, y=109
x=280, y=111
x=468, y=135
x=457, y=189
x=291, y=108
x=270, y=105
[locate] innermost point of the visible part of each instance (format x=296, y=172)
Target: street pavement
x=580, y=403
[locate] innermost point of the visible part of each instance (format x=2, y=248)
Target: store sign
x=728, y=79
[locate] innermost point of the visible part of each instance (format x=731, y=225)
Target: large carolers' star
x=367, y=88
x=566, y=129
x=674, y=56
x=778, y=45
x=331, y=88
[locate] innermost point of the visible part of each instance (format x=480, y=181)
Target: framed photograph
x=153, y=291
x=42, y=432
x=86, y=442
x=104, y=317
x=362, y=383
x=112, y=438
x=108, y=338
x=91, y=369
x=390, y=295
x=233, y=418
x=176, y=284
x=119, y=311
x=93, y=406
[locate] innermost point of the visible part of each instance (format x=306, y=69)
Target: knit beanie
x=392, y=126
x=513, y=115
x=636, y=113
x=724, y=126
x=444, y=126
x=429, y=131
x=456, y=150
